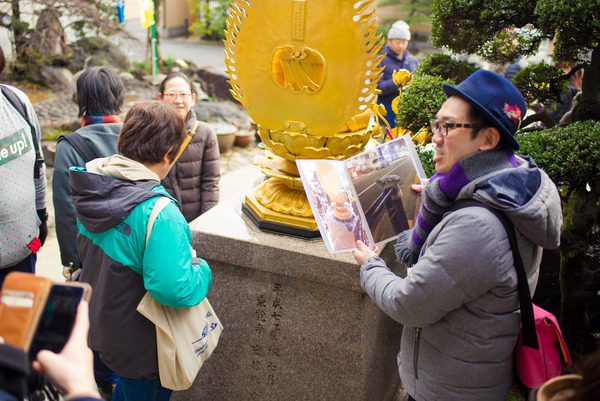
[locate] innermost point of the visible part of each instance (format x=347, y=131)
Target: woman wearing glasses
x=194, y=179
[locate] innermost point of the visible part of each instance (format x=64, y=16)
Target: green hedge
x=569, y=154
x=420, y=101
x=445, y=66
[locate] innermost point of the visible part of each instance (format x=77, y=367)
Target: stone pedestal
x=297, y=325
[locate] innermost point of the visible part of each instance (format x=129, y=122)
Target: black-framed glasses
x=442, y=127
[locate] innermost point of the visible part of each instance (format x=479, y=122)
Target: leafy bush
x=535, y=81
x=211, y=18
x=420, y=101
x=169, y=62
x=426, y=154
x=141, y=68
x=52, y=134
x=445, y=66
x=569, y=154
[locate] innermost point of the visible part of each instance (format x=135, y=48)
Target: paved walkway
x=204, y=54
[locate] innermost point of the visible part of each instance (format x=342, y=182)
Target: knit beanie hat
x=399, y=30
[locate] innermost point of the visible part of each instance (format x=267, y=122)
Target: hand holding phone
x=58, y=317
x=72, y=369
x=36, y=313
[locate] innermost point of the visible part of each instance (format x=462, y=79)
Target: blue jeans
x=27, y=265
x=102, y=373
x=140, y=390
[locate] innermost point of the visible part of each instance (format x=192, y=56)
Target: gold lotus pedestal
x=280, y=204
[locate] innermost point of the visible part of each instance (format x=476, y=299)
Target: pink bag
x=536, y=366
x=539, y=361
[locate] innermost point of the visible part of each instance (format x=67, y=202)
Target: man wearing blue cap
x=397, y=57
x=459, y=302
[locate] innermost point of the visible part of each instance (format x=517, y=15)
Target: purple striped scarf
x=441, y=191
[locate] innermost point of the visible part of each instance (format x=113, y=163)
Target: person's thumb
x=46, y=358
x=417, y=187
x=361, y=246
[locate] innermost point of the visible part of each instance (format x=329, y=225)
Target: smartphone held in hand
x=36, y=313
x=58, y=317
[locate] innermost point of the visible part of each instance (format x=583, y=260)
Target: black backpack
x=80, y=145
x=18, y=105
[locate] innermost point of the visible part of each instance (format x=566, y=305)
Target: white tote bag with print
x=185, y=337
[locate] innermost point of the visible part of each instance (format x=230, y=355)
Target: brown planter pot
x=243, y=139
x=225, y=135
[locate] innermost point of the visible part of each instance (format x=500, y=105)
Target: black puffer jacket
x=194, y=179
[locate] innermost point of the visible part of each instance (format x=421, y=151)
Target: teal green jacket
x=112, y=217
x=180, y=285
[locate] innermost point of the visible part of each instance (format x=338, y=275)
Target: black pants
x=410, y=398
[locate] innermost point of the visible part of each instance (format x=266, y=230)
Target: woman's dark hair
x=100, y=91
x=150, y=130
x=2, y=60
x=176, y=75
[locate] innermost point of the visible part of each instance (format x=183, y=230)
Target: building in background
x=178, y=15
x=174, y=18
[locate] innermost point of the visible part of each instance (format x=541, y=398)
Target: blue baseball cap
x=496, y=98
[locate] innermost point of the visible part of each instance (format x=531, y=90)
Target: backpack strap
x=527, y=320
x=80, y=145
x=18, y=105
x=160, y=204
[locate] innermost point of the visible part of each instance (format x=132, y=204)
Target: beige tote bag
x=185, y=337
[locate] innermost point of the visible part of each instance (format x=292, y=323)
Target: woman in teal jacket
x=113, y=198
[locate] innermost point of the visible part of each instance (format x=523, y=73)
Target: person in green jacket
x=113, y=199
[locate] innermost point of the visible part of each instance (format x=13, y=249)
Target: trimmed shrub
x=420, y=101
x=445, y=66
x=569, y=154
